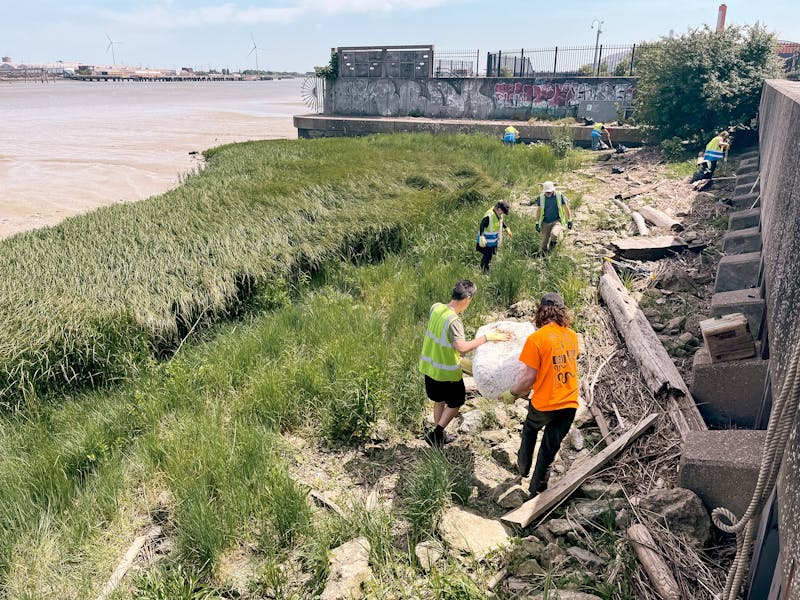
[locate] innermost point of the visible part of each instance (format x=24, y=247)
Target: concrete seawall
x=780, y=208
x=317, y=126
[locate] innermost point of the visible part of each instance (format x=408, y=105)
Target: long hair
x=557, y=314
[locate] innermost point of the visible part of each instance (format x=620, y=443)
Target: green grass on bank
x=93, y=299
x=325, y=350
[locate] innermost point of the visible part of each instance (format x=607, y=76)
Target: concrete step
x=745, y=202
x=748, y=302
x=746, y=178
x=742, y=241
x=722, y=467
x=737, y=272
x=728, y=394
x=742, y=170
x=745, y=189
x=744, y=219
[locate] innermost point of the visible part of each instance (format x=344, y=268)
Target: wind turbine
x=110, y=46
x=254, y=49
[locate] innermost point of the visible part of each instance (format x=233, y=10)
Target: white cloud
x=165, y=14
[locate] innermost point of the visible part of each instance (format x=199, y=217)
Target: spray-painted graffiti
x=545, y=94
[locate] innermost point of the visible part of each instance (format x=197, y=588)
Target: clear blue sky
x=297, y=34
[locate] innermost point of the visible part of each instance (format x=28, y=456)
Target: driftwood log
x=660, y=219
x=641, y=226
x=572, y=480
x=658, y=370
x=655, y=567
x=127, y=561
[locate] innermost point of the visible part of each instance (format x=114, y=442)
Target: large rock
x=472, y=421
x=682, y=511
x=349, y=568
x=472, y=534
x=428, y=552
x=496, y=365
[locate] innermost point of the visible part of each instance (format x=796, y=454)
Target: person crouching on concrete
x=550, y=355
x=490, y=233
x=440, y=361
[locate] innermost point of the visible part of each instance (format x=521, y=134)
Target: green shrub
x=172, y=582
x=674, y=149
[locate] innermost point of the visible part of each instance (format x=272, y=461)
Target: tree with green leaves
x=698, y=83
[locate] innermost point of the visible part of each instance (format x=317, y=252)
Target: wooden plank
x=657, y=368
x=649, y=248
x=125, y=564
x=323, y=501
x=640, y=224
x=573, y=479
x=657, y=570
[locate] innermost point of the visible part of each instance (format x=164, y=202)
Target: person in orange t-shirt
x=551, y=356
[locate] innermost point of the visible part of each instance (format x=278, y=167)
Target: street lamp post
x=597, y=44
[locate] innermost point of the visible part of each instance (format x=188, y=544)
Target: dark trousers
x=556, y=424
x=487, y=253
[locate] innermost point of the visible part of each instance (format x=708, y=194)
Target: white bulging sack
x=496, y=365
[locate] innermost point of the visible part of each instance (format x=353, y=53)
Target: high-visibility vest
x=714, y=149
x=560, y=200
x=494, y=233
x=439, y=359
x=510, y=134
x=597, y=130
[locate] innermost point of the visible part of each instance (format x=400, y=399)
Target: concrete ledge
x=316, y=126
x=745, y=202
x=748, y=302
x=728, y=394
x=742, y=241
x=749, y=159
x=746, y=178
x=744, y=219
x=744, y=189
x=737, y=272
x=746, y=170
x=722, y=467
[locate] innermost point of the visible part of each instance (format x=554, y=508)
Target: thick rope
x=778, y=431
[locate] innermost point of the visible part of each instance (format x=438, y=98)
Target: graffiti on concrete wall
x=474, y=98
x=548, y=94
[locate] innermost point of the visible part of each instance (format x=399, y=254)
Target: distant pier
x=169, y=78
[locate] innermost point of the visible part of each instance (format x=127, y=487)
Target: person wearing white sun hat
x=552, y=213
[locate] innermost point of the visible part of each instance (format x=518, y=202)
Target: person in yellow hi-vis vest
x=440, y=361
x=490, y=233
x=715, y=149
x=552, y=213
x=510, y=135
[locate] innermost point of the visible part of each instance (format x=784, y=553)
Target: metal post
x=499, y=62
x=478, y=64
x=597, y=43
x=633, y=53
x=522, y=69
x=555, y=61
x=599, y=58
x=488, y=64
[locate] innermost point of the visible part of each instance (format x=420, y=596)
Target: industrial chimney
x=721, y=17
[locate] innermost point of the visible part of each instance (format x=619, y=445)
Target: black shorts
x=452, y=393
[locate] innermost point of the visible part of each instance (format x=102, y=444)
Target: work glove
x=538, y=228
x=569, y=224
x=507, y=397
x=466, y=365
x=482, y=242
x=497, y=336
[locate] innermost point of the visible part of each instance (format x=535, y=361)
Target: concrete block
x=737, y=272
x=745, y=189
x=744, y=219
x=745, y=202
x=728, y=393
x=746, y=178
x=749, y=160
x=748, y=154
x=721, y=467
x=748, y=302
x=742, y=241
x=741, y=170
